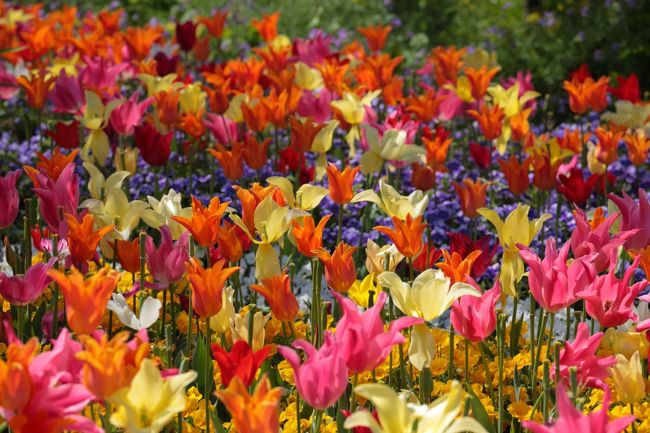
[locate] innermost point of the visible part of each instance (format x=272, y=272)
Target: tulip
x=10, y=198
x=376, y=257
x=637, y=147
x=207, y=285
x=634, y=216
x=323, y=376
x=456, y=267
x=308, y=237
x=375, y=36
x=306, y=198
x=593, y=239
x=628, y=378
x=352, y=109
x=393, y=203
x=167, y=262
x=216, y=23
x=204, y=222
x=36, y=88
x=65, y=135
x=232, y=241
x=82, y=238
x=111, y=365
x=220, y=322
x=25, y=289
x=154, y=146
x=125, y=117
x=256, y=413
x=163, y=210
x=340, y=183
x=96, y=117
x=489, y=119
x=588, y=94
x=241, y=362
x=149, y=312
x=407, y=235
x=570, y=419
x=364, y=343
x=475, y=317
x=471, y=196
x=610, y=300
x=552, y=282
x=574, y=187
x=240, y=328
x=462, y=244
x=627, y=89
x=278, y=294
x=626, y=343
x=85, y=299
x=482, y=155
x=340, y=270
x=67, y=95
x=186, y=35
x=54, y=194
x=392, y=147
x=149, y=394
x=516, y=229
x=516, y=174
x=591, y=369
x=230, y=160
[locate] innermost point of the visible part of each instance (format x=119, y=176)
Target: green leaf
x=201, y=365
x=479, y=412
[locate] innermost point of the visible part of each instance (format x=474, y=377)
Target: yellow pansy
x=516, y=229
x=151, y=402
x=391, y=147
x=393, y=203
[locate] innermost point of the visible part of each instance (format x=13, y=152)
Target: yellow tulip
x=393, y=203
x=117, y=210
x=516, y=229
x=321, y=145
x=98, y=185
x=95, y=117
x=360, y=290
x=239, y=328
x=353, y=110
x=234, y=112
x=156, y=84
x=306, y=198
x=161, y=212
x=307, y=78
x=392, y=147
x=628, y=378
x=629, y=114
x=422, y=348
x=480, y=57
x=192, y=99
x=595, y=166
x=220, y=322
x=376, y=257
x=151, y=402
x=126, y=159
x=509, y=100
x=626, y=342
x=69, y=65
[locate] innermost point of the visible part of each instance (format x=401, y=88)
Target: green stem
x=501, y=341
x=450, y=366
x=339, y=233
x=208, y=361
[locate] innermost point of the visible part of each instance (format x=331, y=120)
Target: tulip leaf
x=479, y=412
x=201, y=365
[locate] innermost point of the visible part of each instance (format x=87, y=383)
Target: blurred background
x=547, y=37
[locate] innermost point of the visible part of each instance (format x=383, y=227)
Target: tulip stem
x=632, y=413
x=538, y=352
x=467, y=364
x=190, y=307
x=501, y=328
x=339, y=233
x=450, y=367
x=297, y=411
x=55, y=297
x=318, y=415
x=488, y=374
x=208, y=361
x=568, y=324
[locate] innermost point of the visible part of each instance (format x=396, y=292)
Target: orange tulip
x=207, y=285
x=53, y=166
x=36, y=88
x=256, y=116
x=82, y=238
x=15, y=380
x=375, y=36
x=303, y=133
x=471, y=196
x=447, y=62
x=110, y=20
x=204, y=223
x=219, y=97
x=230, y=244
x=377, y=71
x=407, y=235
x=340, y=183
x=545, y=173
x=607, y=147
x=277, y=292
x=255, y=152
x=340, y=271
x=516, y=174
x=85, y=300
x=257, y=413
x=244, y=73
x=436, y=150
x=637, y=147
x=519, y=125
x=141, y=39
x=423, y=177
x=267, y=27
x=111, y=365
x=479, y=80
x=571, y=140
x=587, y=94
x=645, y=259
x=192, y=124
x=231, y=160
x=309, y=238
x=167, y=107
x=333, y=71
x=128, y=254
x=250, y=198
x=215, y=23
x=455, y=267
x=489, y=119
x=425, y=106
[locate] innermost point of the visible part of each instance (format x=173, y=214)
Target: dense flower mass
x=312, y=233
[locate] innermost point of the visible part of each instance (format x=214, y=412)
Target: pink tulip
x=475, y=317
x=128, y=115
x=610, y=300
x=67, y=96
x=9, y=198
x=364, y=343
x=101, y=76
x=224, y=130
x=586, y=240
x=635, y=216
x=8, y=85
x=323, y=377
x=592, y=370
x=55, y=392
x=25, y=289
x=316, y=105
x=552, y=282
x=572, y=420
x=62, y=193
x=313, y=50
x=167, y=262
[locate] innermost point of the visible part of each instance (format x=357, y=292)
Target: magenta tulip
x=9, y=198
x=475, y=317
